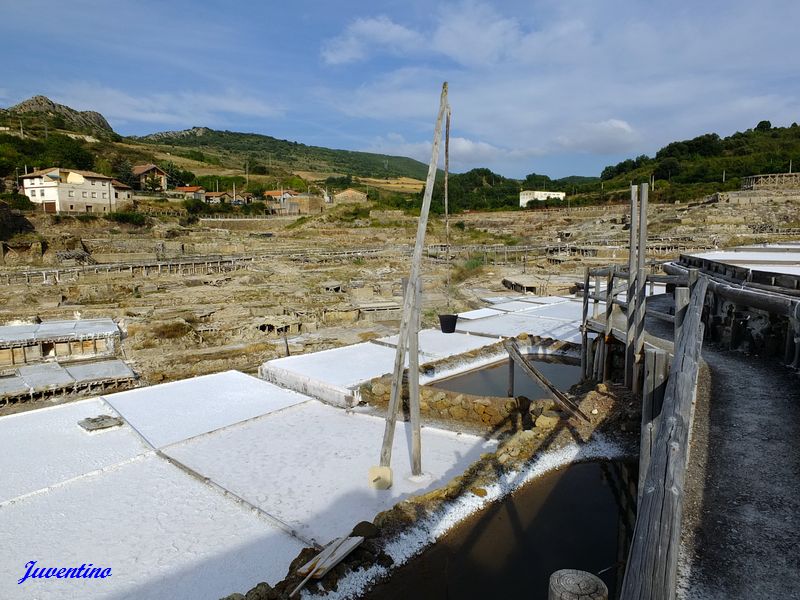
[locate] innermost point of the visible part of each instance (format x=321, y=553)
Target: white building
x=526, y=196
x=59, y=190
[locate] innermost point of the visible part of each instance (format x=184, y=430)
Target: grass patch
x=299, y=222
x=171, y=331
x=467, y=269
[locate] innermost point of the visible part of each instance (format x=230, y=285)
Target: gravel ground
x=742, y=512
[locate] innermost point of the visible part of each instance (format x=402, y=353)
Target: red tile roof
x=142, y=169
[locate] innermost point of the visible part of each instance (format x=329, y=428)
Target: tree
x=122, y=170
x=175, y=175
x=763, y=126
x=152, y=182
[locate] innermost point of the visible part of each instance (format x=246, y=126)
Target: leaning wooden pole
x=381, y=477
x=633, y=265
x=641, y=289
x=413, y=382
x=446, y=206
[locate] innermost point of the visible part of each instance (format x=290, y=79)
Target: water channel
x=575, y=518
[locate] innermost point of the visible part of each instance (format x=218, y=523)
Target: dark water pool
x=493, y=380
x=574, y=518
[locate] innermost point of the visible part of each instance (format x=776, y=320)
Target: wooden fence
x=667, y=389
x=651, y=572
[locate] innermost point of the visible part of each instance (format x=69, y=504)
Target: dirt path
x=742, y=512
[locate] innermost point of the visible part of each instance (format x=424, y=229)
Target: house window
x=94, y=194
x=93, y=182
x=105, y=195
x=83, y=194
x=71, y=207
x=116, y=194
x=88, y=208
x=104, y=209
x=72, y=193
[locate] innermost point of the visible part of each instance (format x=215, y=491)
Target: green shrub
x=467, y=269
x=86, y=217
x=129, y=218
x=297, y=223
x=17, y=201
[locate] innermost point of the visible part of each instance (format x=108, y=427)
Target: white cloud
x=575, y=79
x=611, y=136
x=368, y=35
x=464, y=153
x=178, y=108
x=475, y=34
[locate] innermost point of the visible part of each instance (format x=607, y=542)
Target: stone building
x=72, y=191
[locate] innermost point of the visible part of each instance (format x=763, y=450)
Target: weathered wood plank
x=652, y=564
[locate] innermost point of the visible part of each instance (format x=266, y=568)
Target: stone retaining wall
x=437, y=403
x=489, y=411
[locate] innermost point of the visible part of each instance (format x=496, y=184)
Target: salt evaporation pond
x=573, y=518
x=493, y=379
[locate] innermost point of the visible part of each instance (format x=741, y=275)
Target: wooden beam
x=516, y=356
x=630, y=332
x=641, y=287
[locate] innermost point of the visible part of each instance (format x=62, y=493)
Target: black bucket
x=448, y=323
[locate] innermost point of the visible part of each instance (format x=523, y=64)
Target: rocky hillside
x=58, y=115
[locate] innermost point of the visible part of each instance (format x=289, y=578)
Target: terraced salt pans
x=209, y=486
x=334, y=376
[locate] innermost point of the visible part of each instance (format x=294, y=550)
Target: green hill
x=262, y=150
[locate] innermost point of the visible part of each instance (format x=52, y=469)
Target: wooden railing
x=651, y=572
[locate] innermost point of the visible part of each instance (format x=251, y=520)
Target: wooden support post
x=585, y=328
x=609, y=318
x=569, y=584
x=681, y=303
x=596, y=295
x=641, y=287
x=511, y=378
x=413, y=383
x=630, y=334
x=656, y=365
x=381, y=477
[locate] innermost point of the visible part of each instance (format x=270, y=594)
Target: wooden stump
x=569, y=584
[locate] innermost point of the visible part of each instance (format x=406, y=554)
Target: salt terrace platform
x=208, y=486
x=336, y=375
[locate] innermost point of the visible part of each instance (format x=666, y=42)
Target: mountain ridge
x=82, y=119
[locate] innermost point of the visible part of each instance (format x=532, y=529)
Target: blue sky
x=559, y=87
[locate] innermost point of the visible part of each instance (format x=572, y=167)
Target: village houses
x=59, y=190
